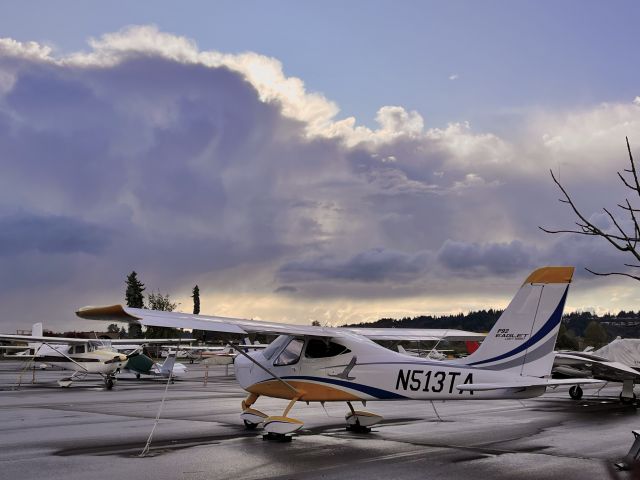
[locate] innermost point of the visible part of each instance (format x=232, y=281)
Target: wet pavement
x=85, y=431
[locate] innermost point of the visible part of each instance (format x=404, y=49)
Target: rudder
x=523, y=339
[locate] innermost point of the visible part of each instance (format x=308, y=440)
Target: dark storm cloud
x=286, y=289
x=50, y=234
x=493, y=258
x=375, y=265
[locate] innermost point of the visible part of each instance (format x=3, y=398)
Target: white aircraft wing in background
x=587, y=364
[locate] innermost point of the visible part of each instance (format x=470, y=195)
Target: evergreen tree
x=566, y=340
x=133, y=294
x=135, y=299
x=196, y=300
x=595, y=334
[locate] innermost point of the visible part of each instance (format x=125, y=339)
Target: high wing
x=42, y=338
x=38, y=338
x=141, y=341
x=576, y=364
x=220, y=349
x=153, y=318
x=416, y=334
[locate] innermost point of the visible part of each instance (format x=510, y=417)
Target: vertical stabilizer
x=167, y=365
x=37, y=330
x=523, y=339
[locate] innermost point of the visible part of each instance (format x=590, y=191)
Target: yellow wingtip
x=551, y=275
x=109, y=312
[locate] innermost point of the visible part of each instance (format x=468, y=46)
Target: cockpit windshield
x=100, y=344
x=275, y=346
x=291, y=353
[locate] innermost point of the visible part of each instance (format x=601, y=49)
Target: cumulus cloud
x=145, y=152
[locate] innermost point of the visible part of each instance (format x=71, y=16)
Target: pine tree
x=135, y=287
x=196, y=300
x=595, y=334
x=135, y=299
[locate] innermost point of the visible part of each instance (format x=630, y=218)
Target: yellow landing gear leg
x=360, y=421
x=250, y=416
x=279, y=428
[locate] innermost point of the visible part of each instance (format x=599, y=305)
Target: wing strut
x=241, y=352
x=66, y=356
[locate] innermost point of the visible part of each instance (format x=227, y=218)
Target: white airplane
x=616, y=362
x=322, y=364
x=80, y=355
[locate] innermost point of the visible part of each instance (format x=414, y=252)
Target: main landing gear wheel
x=575, y=392
x=628, y=400
x=277, y=437
x=250, y=425
x=108, y=383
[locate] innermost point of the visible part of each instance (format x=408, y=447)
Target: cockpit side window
x=291, y=353
x=275, y=346
x=319, y=348
x=79, y=349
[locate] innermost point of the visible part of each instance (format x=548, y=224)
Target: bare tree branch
x=612, y=273
x=618, y=238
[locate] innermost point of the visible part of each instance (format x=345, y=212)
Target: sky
x=299, y=161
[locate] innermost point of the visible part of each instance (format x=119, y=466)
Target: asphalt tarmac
x=84, y=431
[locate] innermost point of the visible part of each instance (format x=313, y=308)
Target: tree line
x=577, y=330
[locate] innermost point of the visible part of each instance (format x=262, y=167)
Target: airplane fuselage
x=376, y=374
x=105, y=362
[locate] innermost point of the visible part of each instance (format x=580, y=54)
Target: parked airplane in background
x=616, y=362
x=143, y=365
x=217, y=355
x=80, y=355
x=322, y=364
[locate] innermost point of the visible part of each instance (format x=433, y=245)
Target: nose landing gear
x=109, y=381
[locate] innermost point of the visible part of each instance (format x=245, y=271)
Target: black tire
x=109, y=383
x=138, y=376
x=249, y=425
x=575, y=392
x=627, y=400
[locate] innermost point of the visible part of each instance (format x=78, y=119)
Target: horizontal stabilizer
x=534, y=382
